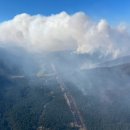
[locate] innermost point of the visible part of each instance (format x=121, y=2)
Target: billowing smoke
x=62, y=31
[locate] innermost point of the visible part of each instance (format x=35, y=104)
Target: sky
x=114, y=11
x=84, y=26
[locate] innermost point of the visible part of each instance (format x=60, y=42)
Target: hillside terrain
x=38, y=99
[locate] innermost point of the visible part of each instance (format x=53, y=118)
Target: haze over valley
x=64, y=70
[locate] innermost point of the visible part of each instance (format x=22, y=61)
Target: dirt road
x=78, y=120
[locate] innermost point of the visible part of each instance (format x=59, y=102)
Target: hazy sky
x=85, y=26
x=114, y=11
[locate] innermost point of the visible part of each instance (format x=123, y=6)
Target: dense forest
x=36, y=102
x=29, y=104
x=103, y=97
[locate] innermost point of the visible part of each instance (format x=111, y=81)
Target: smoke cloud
x=62, y=31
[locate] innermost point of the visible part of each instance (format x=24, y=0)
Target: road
x=78, y=120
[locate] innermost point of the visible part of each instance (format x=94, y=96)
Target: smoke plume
x=62, y=31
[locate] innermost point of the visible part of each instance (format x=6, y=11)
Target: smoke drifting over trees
x=83, y=52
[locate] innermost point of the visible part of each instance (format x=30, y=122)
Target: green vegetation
x=28, y=104
x=103, y=98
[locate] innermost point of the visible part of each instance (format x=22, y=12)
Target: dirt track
x=78, y=120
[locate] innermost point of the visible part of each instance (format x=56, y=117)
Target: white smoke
x=65, y=32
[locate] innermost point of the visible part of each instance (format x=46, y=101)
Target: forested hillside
x=103, y=97
x=29, y=104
